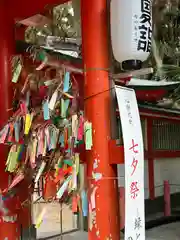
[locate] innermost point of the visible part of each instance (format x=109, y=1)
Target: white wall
x=164, y=169
x=167, y=169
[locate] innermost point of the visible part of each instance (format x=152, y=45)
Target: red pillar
x=167, y=199
x=150, y=160
x=97, y=110
x=8, y=230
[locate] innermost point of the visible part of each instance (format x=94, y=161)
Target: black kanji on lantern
x=145, y=28
x=146, y=6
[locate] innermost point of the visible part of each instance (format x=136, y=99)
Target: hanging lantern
x=131, y=30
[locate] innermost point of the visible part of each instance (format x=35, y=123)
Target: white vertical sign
x=134, y=164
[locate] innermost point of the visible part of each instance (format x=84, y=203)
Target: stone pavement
x=165, y=232
x=52, y=222
x=51, y=225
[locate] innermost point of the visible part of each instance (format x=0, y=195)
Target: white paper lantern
x=131, y=30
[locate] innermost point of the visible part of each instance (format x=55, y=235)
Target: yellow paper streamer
x=12, y=160
x=28, y=122
x=40, y=218
x=76, y=159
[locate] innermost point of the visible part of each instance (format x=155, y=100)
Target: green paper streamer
x=42, y=56
x=60, y=165
x=64, y=107
x=88, y=135
x=68, y=162
x=17, y=73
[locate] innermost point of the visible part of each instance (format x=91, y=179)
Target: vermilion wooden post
x=9, y=228
x=104, y=217
x=150, y=160
x=167, y=199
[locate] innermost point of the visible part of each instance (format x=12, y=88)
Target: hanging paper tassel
x=67, y=95
x=84, y=203
x=10, y=135
x=72, y=145
x=61, y=140
x=64, y=107
x=44, y=63
x=17, y=72
x=76, y=160
x=50, y=188
x=59, y=176
x=68, y=162
x=4, y=133
x=88, y=135
x=41, y=169
x=17, y=130
x=60, y=162
x=46, y=110
x=82, y=178
x=23, y=107
x=3, y=209
x=93, y=199
x=17, y=179
x=66, y=82
x=46, y=131
x=75, y=126
x=28, y=121
x=59, y=171
x=66, y=138
x=21, y=150
x=74, y=204
x=63, y=188
x=81, y=129
x=40, y=146
x=45, y=147
x=74, y=178
x=12, y=160
x=53, y=100
x=53, y=138
x=40, y=218
x=33, y=153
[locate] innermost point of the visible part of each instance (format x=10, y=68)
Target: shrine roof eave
x=21, y=9
x=152, y=110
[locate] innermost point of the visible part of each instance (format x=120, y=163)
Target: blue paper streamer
x=21, y=152
x=46, y=110
x=84, y=203
x=66, y=82
x=16, y=130
x=61, y=140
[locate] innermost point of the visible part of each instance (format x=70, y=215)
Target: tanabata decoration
x=44, y=133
